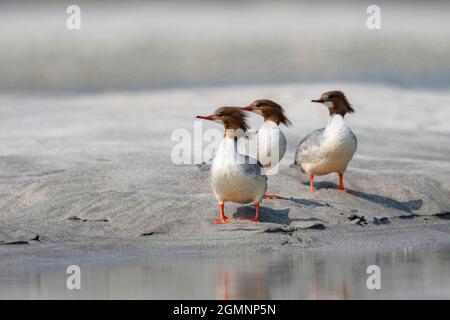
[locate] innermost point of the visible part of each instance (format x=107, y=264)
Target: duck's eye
x=330, y=97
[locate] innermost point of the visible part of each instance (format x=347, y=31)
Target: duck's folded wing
x=355, y=139
x=308, y=146
x=253, y=169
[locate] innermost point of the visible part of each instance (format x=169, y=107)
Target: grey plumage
x=250, y=168
x=305, y=146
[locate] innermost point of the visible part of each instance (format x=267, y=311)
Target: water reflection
x=405, y=273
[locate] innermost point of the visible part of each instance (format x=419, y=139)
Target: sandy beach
x=93, y=173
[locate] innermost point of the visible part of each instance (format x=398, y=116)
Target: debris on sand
x=443, y=215
x=381, y=220
x=408, y=216
x=146, y=234
x=357, y=219
x=37, y=238
x=15, y=242
x=76, y=218
x=281, y=229
x=21, y=242
x=295, y=226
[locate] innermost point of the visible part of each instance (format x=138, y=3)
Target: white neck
x=227, y=147
x=231, y=133
x=335, y=119
x=270, y=123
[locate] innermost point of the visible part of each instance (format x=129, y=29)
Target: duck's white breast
x=234, y=177
x=337, y=147
x=271, y=144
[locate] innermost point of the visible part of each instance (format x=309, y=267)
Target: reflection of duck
x=328, y=295
x=233, y=176
x=329, y=149
x=250, y=288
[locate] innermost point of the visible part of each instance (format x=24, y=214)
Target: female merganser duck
x=270, y=143
x=329, y=149
x=233, y=176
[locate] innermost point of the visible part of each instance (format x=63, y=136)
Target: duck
x=233, y=176
x=330, y=149
x=269, y=144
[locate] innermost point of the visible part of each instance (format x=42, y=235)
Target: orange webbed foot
x=272, y=197
x=222, y=220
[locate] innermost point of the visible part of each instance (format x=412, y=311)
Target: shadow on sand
x=278, y=216
x=306, y=202
x=407, y=206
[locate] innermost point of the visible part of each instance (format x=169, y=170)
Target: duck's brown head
x=336, y=101
x=269, y=110
x=231, y=117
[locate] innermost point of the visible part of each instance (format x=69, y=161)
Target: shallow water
x=406, y=273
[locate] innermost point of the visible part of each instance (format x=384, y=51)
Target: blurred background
x=158, y=44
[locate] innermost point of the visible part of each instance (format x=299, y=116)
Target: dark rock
x=357, y=219
x=37, y=238
x=381, y=220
